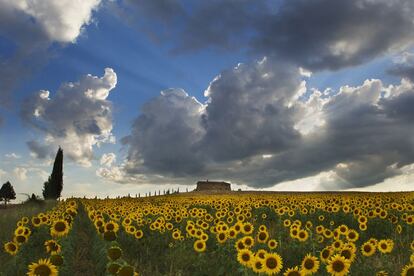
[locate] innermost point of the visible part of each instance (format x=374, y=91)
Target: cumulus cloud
x=317, y=34
x=250, y=111
x=258, y=129
x=20, y=173
x=107, y=159
x=29, y=28
x=77, y=117
x=164, y=137
x=12, y=155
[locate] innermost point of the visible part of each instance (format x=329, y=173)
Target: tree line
x=52, y=188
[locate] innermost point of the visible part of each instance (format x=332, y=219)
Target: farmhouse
x=213, y=186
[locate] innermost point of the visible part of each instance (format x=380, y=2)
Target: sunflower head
x=43, y=268
x=56, y=259
x=113, y=268
x=126, y=270
x=114, y=253
x=273, y=263
x=310, y=264
x=11, y=248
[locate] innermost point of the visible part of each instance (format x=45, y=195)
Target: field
x=238, y=233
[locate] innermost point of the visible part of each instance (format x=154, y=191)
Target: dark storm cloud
x=404, y=67
x=41, y=151
x=316, y=34
x=248, y=111
x=164, y=136
x=252, y=131
x=326, y=34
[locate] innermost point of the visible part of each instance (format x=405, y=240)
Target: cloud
x=77, y=117
x=317, y=34
x=20, y=173
x=107, y=159
x=258, y=128
x=12, y=155
x=30, y=28
x=404, y=66
x=249, y=111
x=164, y=137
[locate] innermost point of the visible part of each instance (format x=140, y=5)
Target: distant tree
x=7, y=193
x=52, y=188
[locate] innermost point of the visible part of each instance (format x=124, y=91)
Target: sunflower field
x=235, y=233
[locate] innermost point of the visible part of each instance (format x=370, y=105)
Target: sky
x=283, y=95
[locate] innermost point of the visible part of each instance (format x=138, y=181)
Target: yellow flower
x=59, y=228
x=303, y=235
x=200, y=246
x=42, y=268
x=52, y=246
x=385, y=246
x=258, y=265
x=272, y=244
x=245, y=257
x=247, y=228
x=262, y=236
x=338, y=265
x=273, y=263
x=11, y=248
x=293, y=272
x=408, y=270
x=310, y=264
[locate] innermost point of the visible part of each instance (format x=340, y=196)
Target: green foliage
x=7, y=192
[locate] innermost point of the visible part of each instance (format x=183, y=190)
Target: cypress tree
x=52, y=188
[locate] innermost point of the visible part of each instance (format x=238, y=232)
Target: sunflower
x=385, y=246
x=52, y=246
x=36, y=221
x=59, y=228
x=247, y=228
x=408, y=270
x=261, y=253
x=111, y=226
x=56, y=259
x=257, y=265
x=221, y=237
x=126, y=270
x=239, y=245
x=412, y=245
x=381, y=273
x=338, y=265
x=310, y=264
x=262, y=237
x=273, y=263
x=293, y=272
x=303, y=235
x=11, y=248
x=352, y=235
x=348, y=254
x=287, y=222
x=114, y=253
x=272, y=244
x=109, y=235
x=248, y=241
x=20, y=239
x=200, y=246
x=245, y=257
x=326, y=253
x=368, y=249
x=42, y=268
